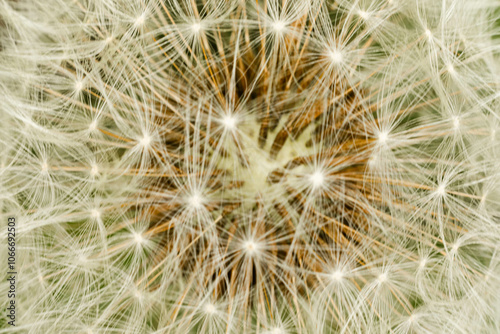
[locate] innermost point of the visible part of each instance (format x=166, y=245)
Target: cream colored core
x=258, y=164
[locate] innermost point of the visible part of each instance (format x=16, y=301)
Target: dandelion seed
x=336, y=57
x=78, y=86
x=94, y=170
x=195, y=201
x=383, y=136
x=441, y=190
x=428, y=33
x=138, y=295
x=82, y=259
x=93, y=126
x=337, y=275
x=363, y=14
x=382, y=278
x=317, y=179
x=451, y=69
x=138, y=238
x=372, y=162
x=229, y=122
x=196, y=27
x=209, y=308
x=95, y=213
x=145, y=141
x=277, y=330
x=278, y=26
x=140, y=20
x=45, y=167
x=250, y=247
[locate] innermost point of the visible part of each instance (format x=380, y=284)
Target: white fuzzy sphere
x=323, y=166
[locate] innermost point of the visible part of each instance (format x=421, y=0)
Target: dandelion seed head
x=236, y=167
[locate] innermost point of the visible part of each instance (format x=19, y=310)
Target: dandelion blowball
x=278, y=166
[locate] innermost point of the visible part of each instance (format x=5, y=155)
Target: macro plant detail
x=268, y=166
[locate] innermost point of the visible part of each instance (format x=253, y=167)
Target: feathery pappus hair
x=265, y=166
